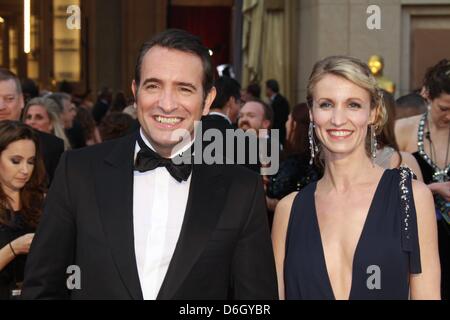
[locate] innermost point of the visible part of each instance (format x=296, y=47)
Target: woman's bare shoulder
x=283, y=210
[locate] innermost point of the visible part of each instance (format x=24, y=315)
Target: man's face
x=234, y=108
x=252, y=117
x=68, y=114
x=11, y=101
x=170, y=96
x=269, y=93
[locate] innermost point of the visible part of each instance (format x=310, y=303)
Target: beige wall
x=338, y=27
x=117, y=30
x=330, y=27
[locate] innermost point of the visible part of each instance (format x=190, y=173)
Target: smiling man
x=139, y=226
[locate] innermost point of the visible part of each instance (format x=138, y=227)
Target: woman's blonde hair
x=357, y=72
x=54, y=113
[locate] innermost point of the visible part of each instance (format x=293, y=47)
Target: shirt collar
x=215, y=113
x=144, y=138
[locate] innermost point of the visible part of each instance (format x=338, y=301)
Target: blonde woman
x=44, y=114
x=360, y=232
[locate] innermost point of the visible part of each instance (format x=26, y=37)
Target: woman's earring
x=373, y=142
x=312, y=145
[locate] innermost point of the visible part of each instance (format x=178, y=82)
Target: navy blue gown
x=389, y=241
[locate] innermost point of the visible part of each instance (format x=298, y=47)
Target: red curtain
x=212, y=24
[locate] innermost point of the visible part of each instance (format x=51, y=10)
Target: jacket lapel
x=203, y=209
x=114, y=191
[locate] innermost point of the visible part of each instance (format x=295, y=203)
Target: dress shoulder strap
x=409, y=230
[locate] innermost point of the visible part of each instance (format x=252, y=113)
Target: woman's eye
x=355, y=105
x=32, y=162
x=15, y=161
x=325, y=105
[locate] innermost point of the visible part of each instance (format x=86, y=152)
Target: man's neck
x=168, y=152
x=221, y=113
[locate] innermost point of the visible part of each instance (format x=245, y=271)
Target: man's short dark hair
x=255, y=90
x=437, y=79
x=6, y=75
x=268, y=111
x=272, y=84
x=183, y=41
x=30, y=89
x=226, y=88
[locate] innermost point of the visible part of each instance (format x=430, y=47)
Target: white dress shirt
x=159, y=205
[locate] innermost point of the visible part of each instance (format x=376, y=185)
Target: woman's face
x=37, y=118
x=440, y=111
x=290, y=126
x=17, y=163
x=341, y=113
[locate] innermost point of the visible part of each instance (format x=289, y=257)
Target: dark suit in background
x=281, y=111
x=52, y=148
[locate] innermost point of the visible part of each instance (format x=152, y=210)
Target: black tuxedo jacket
x=52, y=148
x=224, y=249
x=213, y=121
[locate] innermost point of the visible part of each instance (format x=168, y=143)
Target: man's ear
x=231, y=101
x=209, y=100
x=21, y=101
x=266, y=124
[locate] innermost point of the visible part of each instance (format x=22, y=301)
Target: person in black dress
x=427, y=137
x=360, y=232
x=295, y=171
x=22, y=177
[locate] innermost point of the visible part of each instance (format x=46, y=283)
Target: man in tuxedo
x=280, y=107
x=11, y=105
x=135, y=224
x=225, y=108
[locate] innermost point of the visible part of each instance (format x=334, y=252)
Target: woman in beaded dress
x=427, y=137
x=360, y=232
x=388, y=154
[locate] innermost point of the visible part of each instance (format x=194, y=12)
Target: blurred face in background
x=37, y=117
x=290, y=126
x=11, y=101
x=252, y=116
x=440, y=111
x=234, y=106
x=68, y=114
x=17, y=163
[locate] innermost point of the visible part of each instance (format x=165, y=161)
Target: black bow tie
x=148, y=160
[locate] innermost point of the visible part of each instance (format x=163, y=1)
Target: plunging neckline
x=361, y=236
